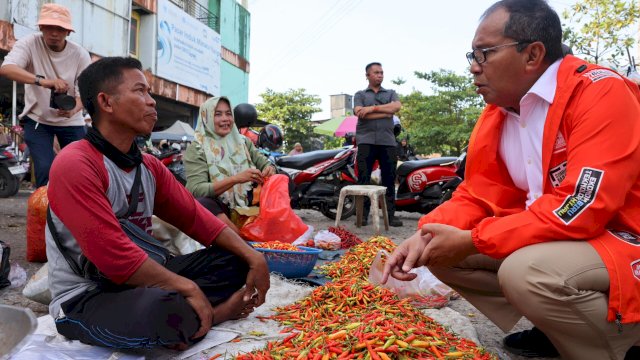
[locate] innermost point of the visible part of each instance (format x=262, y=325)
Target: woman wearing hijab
x=297, y=149
x=223, y=166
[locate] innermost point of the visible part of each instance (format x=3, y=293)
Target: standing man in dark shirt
x=375, y=107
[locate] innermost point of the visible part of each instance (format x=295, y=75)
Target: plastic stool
x=375, y=193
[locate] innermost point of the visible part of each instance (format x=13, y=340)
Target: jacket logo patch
x=560, y=144
x=599, y=74
x=586, y=191
x=635, y=267
x=631, y=238
x=557, y=174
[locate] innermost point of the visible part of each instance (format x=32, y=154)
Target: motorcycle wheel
x=9, y=184
x=348, y=209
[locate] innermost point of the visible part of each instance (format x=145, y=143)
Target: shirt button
x=523, y=124
x=529, y=161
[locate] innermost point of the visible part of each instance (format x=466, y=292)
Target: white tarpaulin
x=177, y=132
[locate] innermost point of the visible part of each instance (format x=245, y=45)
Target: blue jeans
x=39, y=139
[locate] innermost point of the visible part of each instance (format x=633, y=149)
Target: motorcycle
x=172, y=159
x=318, y=177
x=450, y=186
x=425, y=184
x=11, y=173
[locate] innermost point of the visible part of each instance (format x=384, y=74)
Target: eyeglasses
x=480, y=55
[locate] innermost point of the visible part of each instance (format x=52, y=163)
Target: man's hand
x=268, y=171
x=152, y=274
x=364, y=111
x=258, y=278
x=201, y=305
x=405, y=257
x=58, y=85
x=448, y=246
x=434, y=244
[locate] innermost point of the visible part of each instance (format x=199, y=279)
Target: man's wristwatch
x=38, y=78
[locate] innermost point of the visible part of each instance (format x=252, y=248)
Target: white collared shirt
x=521, y=141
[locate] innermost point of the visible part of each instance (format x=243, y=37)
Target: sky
x=323, y=46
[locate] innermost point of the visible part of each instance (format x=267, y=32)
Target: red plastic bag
x=276, y=221
x=36, y=222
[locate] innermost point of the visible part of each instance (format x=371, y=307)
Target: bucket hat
x=55, y=15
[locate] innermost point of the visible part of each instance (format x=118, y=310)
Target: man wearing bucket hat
x=48, y=64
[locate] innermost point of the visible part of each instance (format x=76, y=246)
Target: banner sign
x=188, y=51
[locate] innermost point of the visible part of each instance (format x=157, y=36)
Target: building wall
x=234, y=83
x=341, y=105
x=235, y=27
x=86, y=16
x=235, y=35
x=102, y=27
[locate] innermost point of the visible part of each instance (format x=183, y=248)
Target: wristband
x=375, y=108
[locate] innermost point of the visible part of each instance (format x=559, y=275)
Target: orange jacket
x=591, y=169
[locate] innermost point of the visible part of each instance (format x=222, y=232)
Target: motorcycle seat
x=409, y=166
x=306, y=160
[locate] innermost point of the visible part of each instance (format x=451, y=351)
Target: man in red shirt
x=546, y=222
x=138, y=303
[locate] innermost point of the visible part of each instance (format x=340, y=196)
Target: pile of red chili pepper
x=347, y=238
x=275, y=245
x=356, y=262
x=352, y=319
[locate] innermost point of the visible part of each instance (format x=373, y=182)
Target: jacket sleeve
x=195, y=166
x=257, y=158
x=603, y=147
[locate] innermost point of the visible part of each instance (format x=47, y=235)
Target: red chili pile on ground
x=356, y=262
x=275, y=245
x=352, y=319
x=347, y=238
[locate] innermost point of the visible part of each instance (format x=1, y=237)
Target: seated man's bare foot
x=235, y=307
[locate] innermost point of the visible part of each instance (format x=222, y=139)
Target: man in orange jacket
x=545, y=224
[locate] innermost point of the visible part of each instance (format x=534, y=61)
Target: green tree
x=601, y=30
x=441, y=122
x=332, y=142
x=291, y=111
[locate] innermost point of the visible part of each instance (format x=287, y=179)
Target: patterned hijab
x=226, y=155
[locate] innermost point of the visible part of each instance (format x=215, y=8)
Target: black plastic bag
x=5, y=267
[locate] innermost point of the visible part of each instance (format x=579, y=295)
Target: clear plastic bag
x=37, y=288
x=17, y=276
x=425, y=284
x=327, y=240
x=305, y=239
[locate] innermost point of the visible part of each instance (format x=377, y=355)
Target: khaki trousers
x=561, y=287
